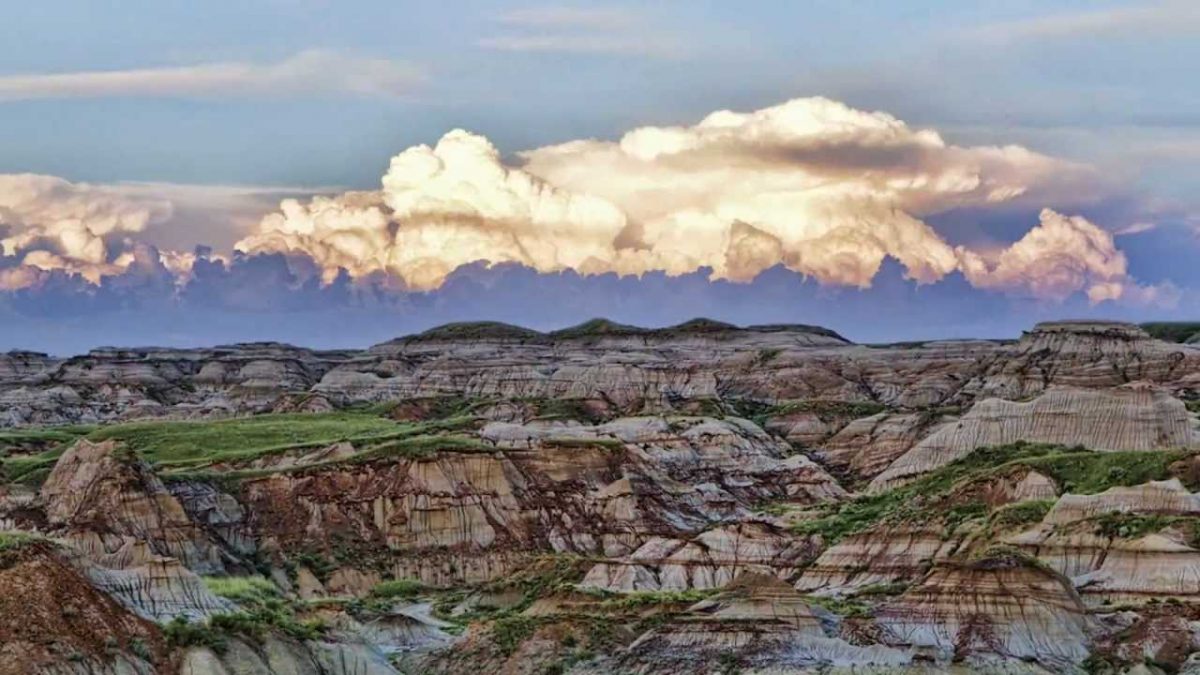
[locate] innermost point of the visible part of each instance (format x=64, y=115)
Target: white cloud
x=51, y=223
x=452, y=204
x=1063, y=255
x=812, y=184
x=1167, y=17
x=307, y=73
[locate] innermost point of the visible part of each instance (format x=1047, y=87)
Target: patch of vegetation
x=412, y=441
x=1173, y=331
x=253, y=625
x=826, y=410
x=931, y=498
x=1083, y=472
x=565, y=409
x=40, y=437
x=1002, y=556
x=243, y=590
x=424, y=445
x=640, y=599
x=29, y=471
x=844, y=607
x=319, y=565
x=1020, y=514
x=182, y=443
x=477, y=330
x=597, y=328
x=543, y=576
x=28, y=455
x=697, y=326
x=768, y=354
x=17, y=541
x=508, y=632
x=397, y=589
x=796, y=327
x=262, y=609
x=776, y=509
x=888, y=589
x=1133, y=525
x=600, y=443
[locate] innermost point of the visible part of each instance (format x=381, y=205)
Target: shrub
x=398, y=588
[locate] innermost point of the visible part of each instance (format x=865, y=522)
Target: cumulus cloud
x=50, y=223
x=441, y=208
x=812, y=184
x=314, y=72
x=1061, y=256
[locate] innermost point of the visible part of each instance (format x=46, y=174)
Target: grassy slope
x=930, y=499
x=192, y=444
x=179, y=442
x=1173, y=331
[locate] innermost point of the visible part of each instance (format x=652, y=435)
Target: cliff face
x=606, y=499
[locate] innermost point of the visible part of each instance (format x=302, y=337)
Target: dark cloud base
x=268, y=297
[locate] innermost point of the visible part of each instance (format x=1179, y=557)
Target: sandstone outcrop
x=1134, y=417
x=118, y=512
x=609, y=490
x=1001, y=607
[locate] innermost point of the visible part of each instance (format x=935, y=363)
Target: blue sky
x=1105, y=93
x=291, y=97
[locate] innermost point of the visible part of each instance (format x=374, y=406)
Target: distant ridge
x=1174, y=331
x=598, y=328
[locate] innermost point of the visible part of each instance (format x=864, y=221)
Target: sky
x=336, y=173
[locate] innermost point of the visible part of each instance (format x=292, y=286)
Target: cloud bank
x=809, y=210
x=813, y=185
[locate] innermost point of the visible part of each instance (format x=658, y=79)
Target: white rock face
x=1135, y=417
x=1008, y=608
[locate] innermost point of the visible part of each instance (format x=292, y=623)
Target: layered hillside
x=606, y=498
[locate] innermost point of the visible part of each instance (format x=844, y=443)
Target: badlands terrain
x=483, y=498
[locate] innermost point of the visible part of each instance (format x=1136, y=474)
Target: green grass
x=262, y=610
x=509, y=632
x=398, y=589
x=175, y=442
x=1020, y=514
x=251, y=589
x=477, y=330
x=28, y=455
x=1134, y=525
x=929, y=499
x=14, y=541
x=30, y=471
x=761, y=413
x=41, y=437
x=1173, y=331
x=640, y=599
x=597, y=328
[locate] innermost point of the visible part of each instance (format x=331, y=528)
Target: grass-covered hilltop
x=607, y=499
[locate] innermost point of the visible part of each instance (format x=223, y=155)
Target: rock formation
x=605, y=498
